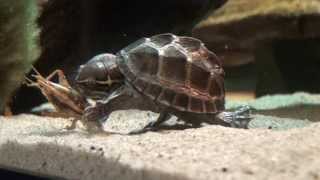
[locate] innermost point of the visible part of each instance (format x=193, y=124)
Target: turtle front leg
x=238, y=118
x=94, y=115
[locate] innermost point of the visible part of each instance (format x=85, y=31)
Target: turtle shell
x=175, y=71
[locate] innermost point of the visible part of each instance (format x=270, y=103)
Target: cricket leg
x=7, y=110
x=61, y=78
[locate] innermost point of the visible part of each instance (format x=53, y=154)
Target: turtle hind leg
x=154, y=125
x=239, y=118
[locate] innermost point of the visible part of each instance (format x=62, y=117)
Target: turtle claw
x=72, y=126
x=149, y=127
x=153, y=125
x=140, y=131
x=68, y=128
x=240, y=118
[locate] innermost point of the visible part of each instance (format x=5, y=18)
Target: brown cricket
x=67, y=101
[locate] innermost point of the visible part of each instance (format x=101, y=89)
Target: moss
x=18, y=47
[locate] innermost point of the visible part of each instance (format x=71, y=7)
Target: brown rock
x=236, y=28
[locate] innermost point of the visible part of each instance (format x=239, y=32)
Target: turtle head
x=99, y=76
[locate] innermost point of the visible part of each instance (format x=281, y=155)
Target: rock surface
x=244, y=21
x=40, y=145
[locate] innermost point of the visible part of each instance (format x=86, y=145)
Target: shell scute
x=144, y=59
x=135, y=44
x=153, y=91
x=196, y=105
x=215, y=87
x=199, y=78
x=162, y=39
x=189, y=43
x=166, y=96
x=210, y=106
x=173, y=65
x=140, y=84
x=181, y=101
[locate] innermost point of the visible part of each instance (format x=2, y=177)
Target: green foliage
x=18, y=43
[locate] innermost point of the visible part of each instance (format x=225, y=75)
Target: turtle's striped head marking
x=99, y=76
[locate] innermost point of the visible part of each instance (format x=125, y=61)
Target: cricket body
x=168, y=74
x=67, y=101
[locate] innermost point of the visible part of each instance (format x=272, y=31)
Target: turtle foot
x=239, y=118
x=72, y=126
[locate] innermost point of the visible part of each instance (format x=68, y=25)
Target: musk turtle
x=174, y=75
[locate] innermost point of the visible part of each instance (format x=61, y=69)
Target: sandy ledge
x=40, y=145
